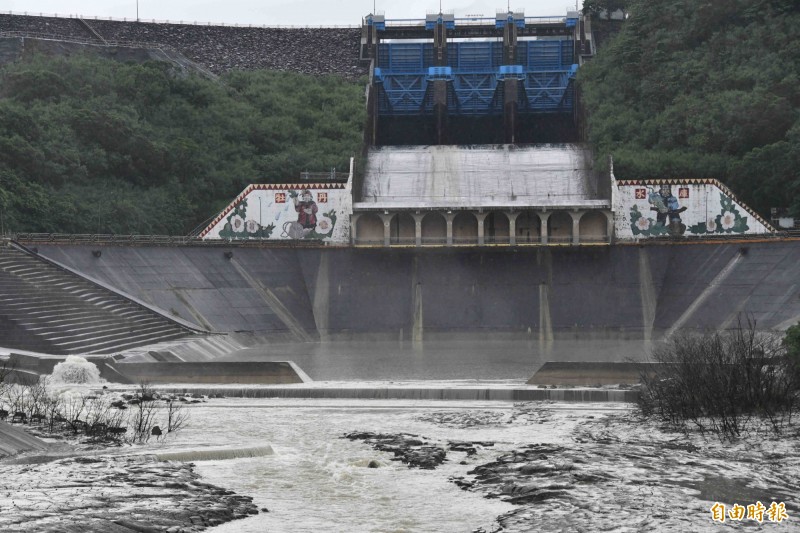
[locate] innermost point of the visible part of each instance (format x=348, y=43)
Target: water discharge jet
x=75, y=370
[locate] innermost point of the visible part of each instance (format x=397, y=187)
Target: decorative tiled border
x=266, y=187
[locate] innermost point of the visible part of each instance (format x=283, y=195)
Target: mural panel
x=654, y=208
x=310, y=212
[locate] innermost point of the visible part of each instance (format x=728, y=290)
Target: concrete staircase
x=44, y=308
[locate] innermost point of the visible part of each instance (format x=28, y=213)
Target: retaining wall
x=557, y=292
x=227, y=372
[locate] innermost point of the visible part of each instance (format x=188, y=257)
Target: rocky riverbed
x=615, y=472
x=414, y=466
x=90, y=483
x=112, y=494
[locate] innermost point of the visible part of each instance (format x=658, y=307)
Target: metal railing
x=590, y=239
x=473, y=21
x=161, y=240
x=324, y=176
x=559, y=239
x=716, y=238
x=527, y=239
x=434, y=241
x=496, y=239
x=191, y=240
x=368, y=242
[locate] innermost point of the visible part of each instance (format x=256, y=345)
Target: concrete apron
x=471, y=393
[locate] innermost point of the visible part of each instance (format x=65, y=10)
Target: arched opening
x=593, y=227
x=434, y=229
x=528, y=227
x=559, y=227
x=402, y=229
x=465, y=228
x=369, y=229
x=496, y=228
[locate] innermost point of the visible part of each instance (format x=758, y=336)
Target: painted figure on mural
x=667, y=210
x=306, y=209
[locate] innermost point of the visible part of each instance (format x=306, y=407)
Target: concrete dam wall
x=636, y=292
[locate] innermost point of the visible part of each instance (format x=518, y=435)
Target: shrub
x=96, y=417
x=143, y=418
x=791, y=342
x=721, y=381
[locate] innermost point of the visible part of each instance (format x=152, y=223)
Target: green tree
x=702, y=90
x=604, y=7
x=90, y=145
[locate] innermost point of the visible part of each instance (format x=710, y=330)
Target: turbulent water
x=317, y=481
x=75, y=370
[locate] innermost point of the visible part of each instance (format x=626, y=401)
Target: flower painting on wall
x=238, y=226
x=728, y=220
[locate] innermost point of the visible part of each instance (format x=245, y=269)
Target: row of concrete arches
x=492, y=227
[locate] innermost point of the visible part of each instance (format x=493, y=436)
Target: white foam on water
x=75, y=370
x=318, y=481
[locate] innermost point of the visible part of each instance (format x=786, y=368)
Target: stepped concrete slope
x=259, y=290
x=615, y=292
x=488, y=175
x=44, y=308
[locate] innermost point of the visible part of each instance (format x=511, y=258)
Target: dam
x=343, y=314
x=616, y=292
x=476, y=288
x=477, y=215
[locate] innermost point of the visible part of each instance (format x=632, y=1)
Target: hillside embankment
x=220, y=49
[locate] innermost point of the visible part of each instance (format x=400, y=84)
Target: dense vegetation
x=725, y=382
x=89, y=145
x=702, y=90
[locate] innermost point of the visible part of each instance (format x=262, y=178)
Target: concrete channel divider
x=229, y=372
x=208, y=454
x=590, y=373
x=28, y=366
